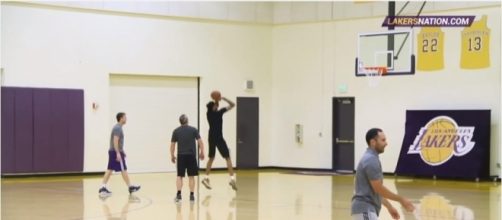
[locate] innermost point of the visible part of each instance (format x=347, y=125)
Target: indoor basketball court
x=275, y=110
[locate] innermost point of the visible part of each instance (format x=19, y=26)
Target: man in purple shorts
x=116, y=157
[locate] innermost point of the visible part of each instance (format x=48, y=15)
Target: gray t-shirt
x=185, y=136
x=365, y=198
x=117, y=131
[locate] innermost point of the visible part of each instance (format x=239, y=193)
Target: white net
x=373, y=74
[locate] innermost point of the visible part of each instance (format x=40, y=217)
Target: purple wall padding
x=8, y=143
x=42, y=130
x=42, y=155
x=23, y=131
x=76, y=130
x=59, y=129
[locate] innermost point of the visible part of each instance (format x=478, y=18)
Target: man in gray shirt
x=370, y=193
x=186, y=136
x=116, y=157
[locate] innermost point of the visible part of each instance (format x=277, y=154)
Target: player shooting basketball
x=216, y=140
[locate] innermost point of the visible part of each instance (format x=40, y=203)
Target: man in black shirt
x=215, y=120
x=186, y=136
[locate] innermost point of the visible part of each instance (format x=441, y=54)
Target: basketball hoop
x=372, y=73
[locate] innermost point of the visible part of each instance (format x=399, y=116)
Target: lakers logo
x=441, y=139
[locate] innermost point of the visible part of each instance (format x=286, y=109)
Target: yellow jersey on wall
x=430, y=49
x=476, y=45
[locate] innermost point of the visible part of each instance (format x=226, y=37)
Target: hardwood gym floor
x=261, y=195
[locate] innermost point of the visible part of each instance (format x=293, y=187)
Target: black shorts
x=187, y=163
x=218, y=142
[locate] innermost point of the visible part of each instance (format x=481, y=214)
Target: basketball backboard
x=391, y=49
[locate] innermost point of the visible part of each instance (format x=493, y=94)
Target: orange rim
x=381, y=69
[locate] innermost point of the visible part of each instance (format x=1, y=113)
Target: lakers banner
x=444, y=143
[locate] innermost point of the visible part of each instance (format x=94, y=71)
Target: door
x=343, y=134
x=247, y=132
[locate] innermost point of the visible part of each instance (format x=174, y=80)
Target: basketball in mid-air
x=216, y=95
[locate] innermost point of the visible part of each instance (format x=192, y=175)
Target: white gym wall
x=152, y=105
x=296, y=69
x=316, y=58
x=43, y=46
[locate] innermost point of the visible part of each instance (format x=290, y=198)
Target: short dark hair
x=371, y=134
x=183, y=119
x=119, y=116
x=210, y=105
